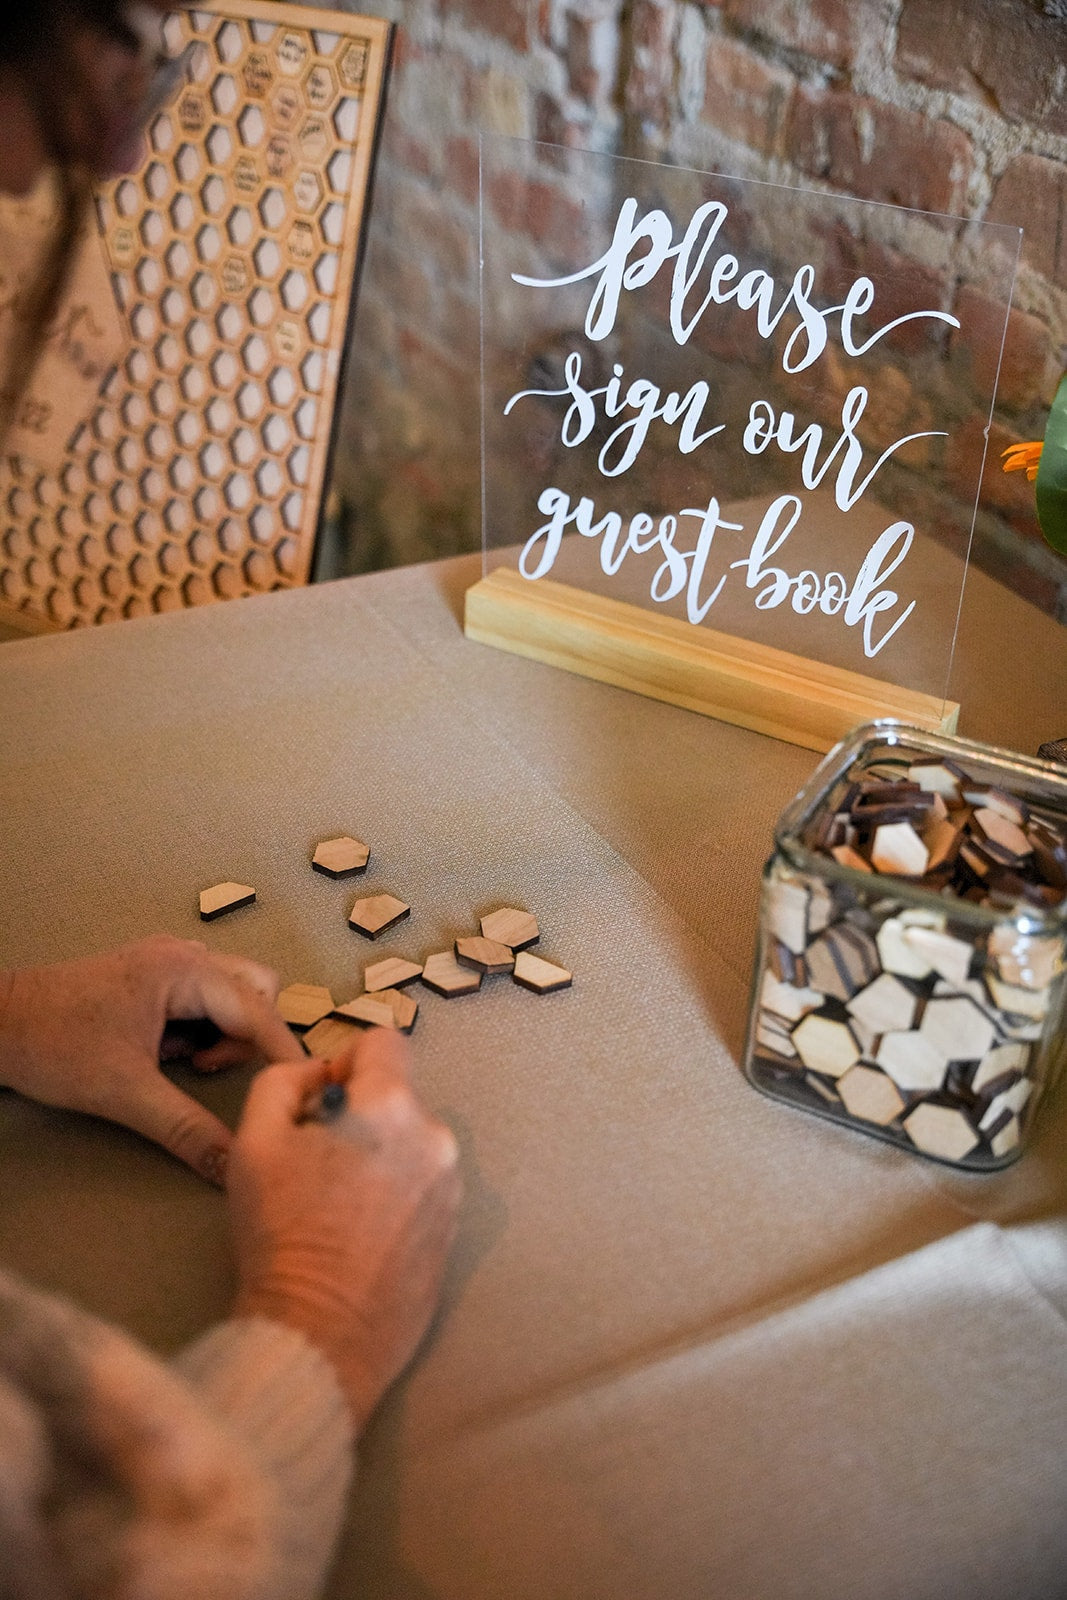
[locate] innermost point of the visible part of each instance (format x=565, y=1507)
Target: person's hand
x=342, y=1229
x=87, y=1035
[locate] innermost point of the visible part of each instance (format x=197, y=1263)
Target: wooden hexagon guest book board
x=732, y=436
x=214, y=288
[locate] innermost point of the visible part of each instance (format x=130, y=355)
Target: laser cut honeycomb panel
x=232, y=252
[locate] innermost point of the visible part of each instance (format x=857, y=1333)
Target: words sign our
x=736, y=403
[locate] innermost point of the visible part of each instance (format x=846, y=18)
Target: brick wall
x=948, y=105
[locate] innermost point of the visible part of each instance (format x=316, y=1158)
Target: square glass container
x=923, y=1006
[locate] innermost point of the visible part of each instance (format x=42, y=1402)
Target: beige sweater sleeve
x=267, y=1385
x=223, y=1475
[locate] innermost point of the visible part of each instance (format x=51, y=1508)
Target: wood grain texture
x=736, y=680
x=377, y=913
x=303, y=1004
x=512, y=927
x=487, y=955
x=391, y=973
x=443, y=974
x=540, y=976
x=371, y=1009
x=224, y=897
x=330, y=1038
x=196, y=472
x=338, y=858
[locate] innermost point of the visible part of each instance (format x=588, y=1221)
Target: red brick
x=880, y=152
x=582, y=75
x=444, y=245
x=997, y=51
x=461, y=167
x=829, y=30
x=539, y=211
x=745, y=98
x=650, y=85
x=1032, y=193
x=408, y=152
x=514, y=21
x=552, y=125
x=1026, y=349
x=901, y=286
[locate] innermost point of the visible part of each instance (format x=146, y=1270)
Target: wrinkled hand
x=342, y=1229
x=87, y=1035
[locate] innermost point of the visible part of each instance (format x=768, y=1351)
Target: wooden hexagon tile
x=302, y=1005
x=517, y=929
x=392, y=973
x=223, y=897
x=487, y=955
x=377, y=914
x=338, y=858
x=538, y=975
x=443, y=974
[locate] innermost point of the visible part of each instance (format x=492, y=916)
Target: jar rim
x=890, y=732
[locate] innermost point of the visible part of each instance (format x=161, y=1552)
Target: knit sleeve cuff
x=269, y=1386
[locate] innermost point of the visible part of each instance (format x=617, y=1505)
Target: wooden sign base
x=753, y=685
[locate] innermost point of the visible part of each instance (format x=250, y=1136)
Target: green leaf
x=1051, y=482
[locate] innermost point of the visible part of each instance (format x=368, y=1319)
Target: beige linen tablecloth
x=694, y=1344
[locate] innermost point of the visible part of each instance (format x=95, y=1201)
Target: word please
x=642, y=245
x=861, y=603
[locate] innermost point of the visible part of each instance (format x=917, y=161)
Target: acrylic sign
x=752, y=408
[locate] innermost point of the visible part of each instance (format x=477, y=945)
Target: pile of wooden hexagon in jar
x=918, y=1020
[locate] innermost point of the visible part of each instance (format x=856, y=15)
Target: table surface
x=694, y=1343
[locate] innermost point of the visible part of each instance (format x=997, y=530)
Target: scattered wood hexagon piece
x=329, y=1038
x=772, y=1034
x=443, y=974
x=786, y=999
x=337, y=858
x=912, y=1061
x=957, y=1028
x=940, y=1131
x=937, y=779
x=949, y=957
x=1002, y=1059
x=377, y=913
x=304, y=1004
x=1012, y=1100
x=884, y=1006
x=487, y=955
x=841, y=960
x=538, y=975
x=870, y=1095
x=898, y=954
x=825, y=1046
x=517, y=929
x=223, y=897
x=404, y=1008
x=391, y=973
x=369, y=1009
x=788, y=913
x=845, y=856
x=897, y=849
x=1007, y=1138
x=1000, y=831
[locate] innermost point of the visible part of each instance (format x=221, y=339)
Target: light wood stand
x=753, y=685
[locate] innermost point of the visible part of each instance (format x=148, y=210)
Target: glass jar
x=920, y=1000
